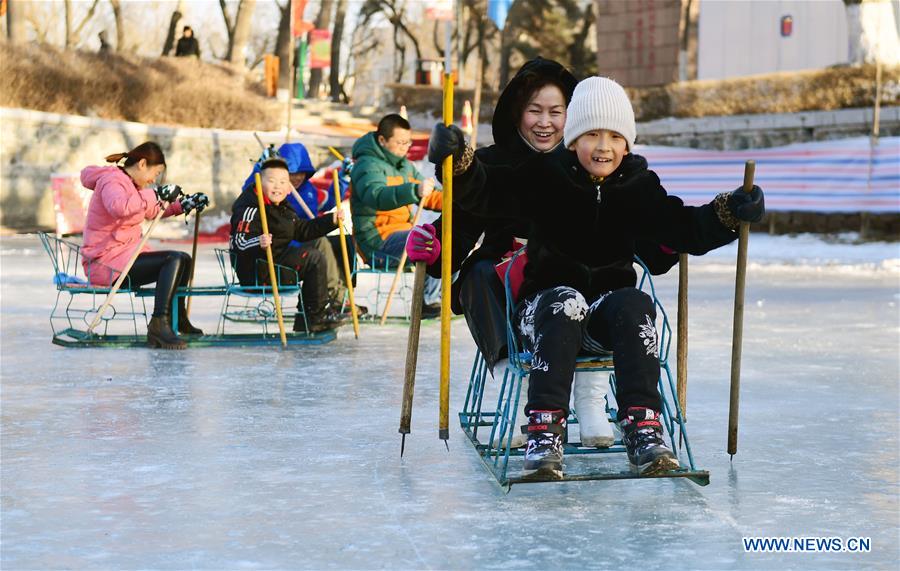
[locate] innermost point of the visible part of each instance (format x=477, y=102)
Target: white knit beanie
x=599, y=103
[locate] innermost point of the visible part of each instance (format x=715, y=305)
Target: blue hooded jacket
x=297, y=158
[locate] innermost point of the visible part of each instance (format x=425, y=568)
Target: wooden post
x=344, y=256
x=412, y=353
x=738, y=330
x=187, y=307
x=273, y=278
x=446, y=252
x=399, y=272
x=682, y=350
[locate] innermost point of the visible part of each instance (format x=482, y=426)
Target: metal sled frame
x=77, y=303
x=498, y=425
x=383, y=267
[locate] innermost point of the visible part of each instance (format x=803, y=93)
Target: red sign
x=319, y=49
x=298, y=25
x=787, y=26
x=439, y=10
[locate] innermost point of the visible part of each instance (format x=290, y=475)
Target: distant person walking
x=187, y=44
x=105, y=48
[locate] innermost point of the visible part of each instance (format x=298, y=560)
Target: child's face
x=601, y=151
x=399, y=143
x=297, y=179
x=276, y=184
x=543, y=119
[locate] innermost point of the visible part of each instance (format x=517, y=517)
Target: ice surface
x=258, y=458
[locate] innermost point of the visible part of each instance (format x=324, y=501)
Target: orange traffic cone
x=467, y=118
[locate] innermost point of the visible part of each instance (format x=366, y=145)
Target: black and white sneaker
x=546, y=433
x=643, y=438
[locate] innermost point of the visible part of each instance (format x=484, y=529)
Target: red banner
x=319, y=49
x=298, y=25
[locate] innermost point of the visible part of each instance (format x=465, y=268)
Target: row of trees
x=544, y=27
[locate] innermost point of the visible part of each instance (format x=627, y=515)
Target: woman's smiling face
x=543, y=119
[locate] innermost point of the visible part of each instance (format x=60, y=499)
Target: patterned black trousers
x=557, y=325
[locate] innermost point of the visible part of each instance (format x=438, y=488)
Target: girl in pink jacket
x=122, y=200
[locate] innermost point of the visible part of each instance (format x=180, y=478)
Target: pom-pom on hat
x=599, y=103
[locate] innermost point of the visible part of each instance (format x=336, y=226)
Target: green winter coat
x=383, y=188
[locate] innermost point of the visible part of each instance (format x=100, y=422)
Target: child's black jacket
x=583, y=234
x=284, y=226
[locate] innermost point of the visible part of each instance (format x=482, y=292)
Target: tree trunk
x=173, y=29
x=283, y=46
x=323, y=22
x=120, y=25
x=871, y=32
x=68, y=5
x=237, y=38
x=15, y=21
x=336, y=36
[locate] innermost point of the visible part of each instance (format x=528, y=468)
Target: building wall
x=637, y=41
x=743, y=37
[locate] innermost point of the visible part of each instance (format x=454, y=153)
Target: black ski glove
x=197, y=201
x=168, y=192
x=444, y=142
x=747, y=206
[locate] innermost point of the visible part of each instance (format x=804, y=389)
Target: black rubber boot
x=160, y=334
x=184, y=324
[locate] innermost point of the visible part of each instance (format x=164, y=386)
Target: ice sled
x=489, y=414
x=124, y=322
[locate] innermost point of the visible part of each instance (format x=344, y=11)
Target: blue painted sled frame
x=500, y=423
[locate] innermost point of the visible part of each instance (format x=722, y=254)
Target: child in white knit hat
x=587, y=204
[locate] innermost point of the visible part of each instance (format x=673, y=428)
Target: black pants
x=483, y=300
x=309, y=263
x=169, y=269
x=335, y=242
x=556, y=325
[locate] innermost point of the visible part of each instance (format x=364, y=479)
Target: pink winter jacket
x=112, y=230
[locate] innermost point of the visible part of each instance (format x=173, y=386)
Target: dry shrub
x=174, y=91
x=838, y=87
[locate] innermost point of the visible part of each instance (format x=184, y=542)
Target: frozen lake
x=258, y=458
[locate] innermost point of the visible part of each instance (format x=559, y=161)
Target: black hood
x=504, y=125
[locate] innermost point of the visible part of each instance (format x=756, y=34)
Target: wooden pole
x=412, y=353
x=446, y=253
x=738, y=330
x=126, y=269
x=187, y=307
x=290, y=101
x=682, y=350
x=273, y=279
x=402, y=265
x=345, y=257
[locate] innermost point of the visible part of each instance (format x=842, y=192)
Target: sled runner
x=124, y=322
x=489, y=418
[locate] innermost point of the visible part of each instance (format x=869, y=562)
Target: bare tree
x=395, y=12
x=68, y=10
x=337, y=88
x=73, y=35
x=283, y=44
x=15, y=21
x=871, y=32
x=323, y=22
x=173, y=28
x=120, y=24
x=238, y=30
